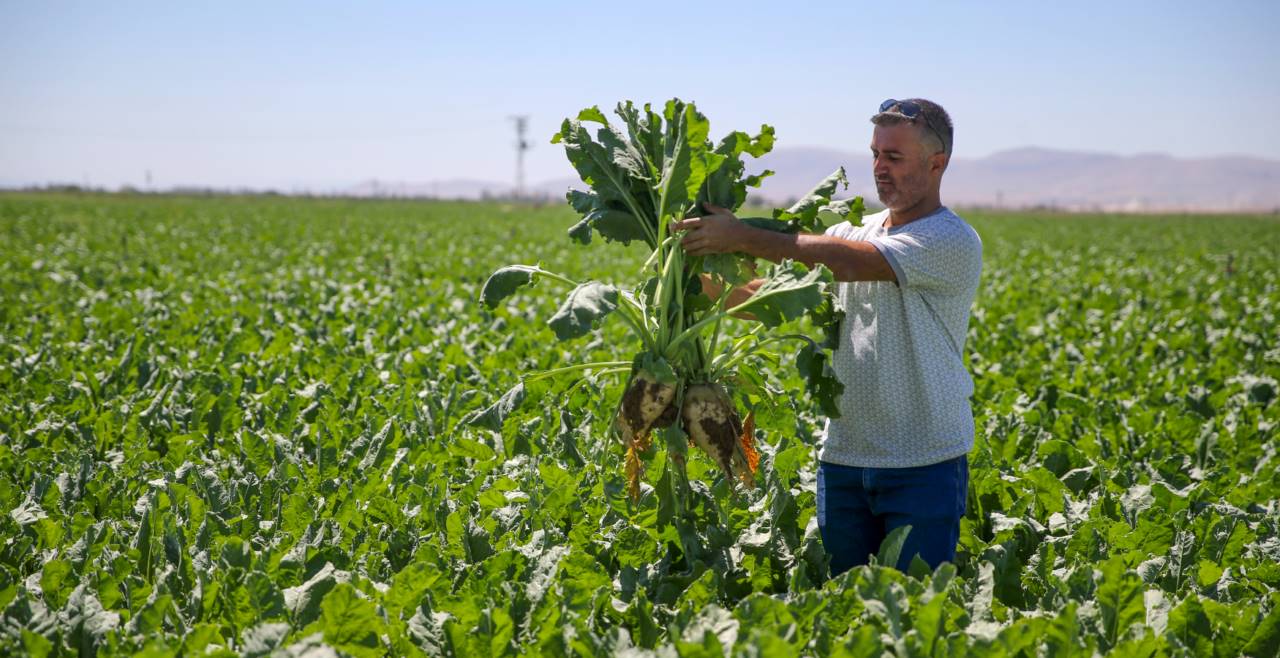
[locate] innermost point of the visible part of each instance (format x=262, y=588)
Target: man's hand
x=717, y=233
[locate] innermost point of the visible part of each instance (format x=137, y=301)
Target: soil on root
x=646, y=404
x=714, y=426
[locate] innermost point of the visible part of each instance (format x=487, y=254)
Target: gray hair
x=933, y=121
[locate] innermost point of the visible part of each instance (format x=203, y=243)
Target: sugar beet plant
x=654, y=169
x=226, y=432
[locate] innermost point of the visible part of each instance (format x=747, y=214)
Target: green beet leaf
x=820, y=379
x=612, y=223
x=504, y=283
x=350, y=623
x=583, y=308
x=789, y=291
x=803, y=214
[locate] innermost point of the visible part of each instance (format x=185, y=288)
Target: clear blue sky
x=310, y=94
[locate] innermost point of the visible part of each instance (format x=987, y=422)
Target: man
x=907, y=279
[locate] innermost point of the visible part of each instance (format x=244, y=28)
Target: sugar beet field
x=271, y=426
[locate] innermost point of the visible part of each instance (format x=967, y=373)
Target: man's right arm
x=848, y=260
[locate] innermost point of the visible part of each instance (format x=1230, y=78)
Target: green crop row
x=268, y=426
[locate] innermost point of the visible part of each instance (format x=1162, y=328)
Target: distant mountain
x=1020, y=178
x=1070, y=180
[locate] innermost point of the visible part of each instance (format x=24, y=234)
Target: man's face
x=903, y=165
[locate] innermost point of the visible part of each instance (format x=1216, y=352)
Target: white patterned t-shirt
x=901, y=353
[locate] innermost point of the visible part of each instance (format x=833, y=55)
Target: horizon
x=250, y=97
x=537, y=189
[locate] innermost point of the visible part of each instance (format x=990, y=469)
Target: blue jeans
x=858, y=507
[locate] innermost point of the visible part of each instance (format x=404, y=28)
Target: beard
x=888, y=194
x=903, y=193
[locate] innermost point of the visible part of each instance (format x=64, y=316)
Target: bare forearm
x=848, y=260
x=743, y=293
x=736, y=296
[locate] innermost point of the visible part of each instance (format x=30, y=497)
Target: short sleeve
x=839, y=230
x=944, y=256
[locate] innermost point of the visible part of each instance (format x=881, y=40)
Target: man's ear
x=938, y=162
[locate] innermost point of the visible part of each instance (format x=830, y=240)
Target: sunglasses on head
x=912, y=111
x=908, y=109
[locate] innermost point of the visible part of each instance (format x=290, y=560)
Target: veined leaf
x=85, y=620
x=817, y=197
x=507, y=280
x=303, y=602
x=350, y=623
x=613, y=224
x=504, y=283
x=850, y=209
x=598, y=168
x=645, y=130
x=592, y=114
x=684, y=159
x=1266, y=636
x=820, y=379
x=1120, y=599
x=53, y=580
x=493, y=416
x=261, y=640
x=584, y=306
x=803, y=214
x=726, y=186
x=789, y=291
x=623, y=154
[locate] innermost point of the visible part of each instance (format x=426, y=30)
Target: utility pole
x=522, y=145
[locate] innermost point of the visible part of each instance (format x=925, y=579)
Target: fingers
x=695, y=245
x=686, y=224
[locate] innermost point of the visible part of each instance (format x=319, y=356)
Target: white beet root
x=713, y=425
x=646, y=404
